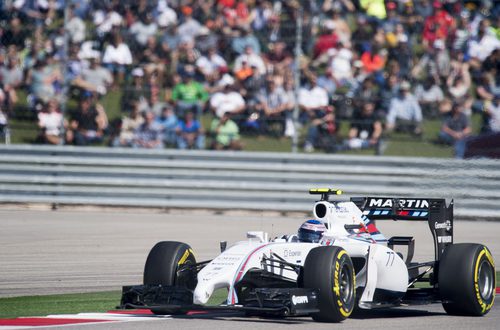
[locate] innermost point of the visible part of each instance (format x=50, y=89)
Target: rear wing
x=433, y=210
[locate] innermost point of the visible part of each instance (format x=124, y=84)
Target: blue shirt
x=168, y=123
x=192, y=127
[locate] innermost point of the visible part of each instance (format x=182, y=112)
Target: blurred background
x=405, y=77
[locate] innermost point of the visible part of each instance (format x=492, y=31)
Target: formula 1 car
x=352, y=265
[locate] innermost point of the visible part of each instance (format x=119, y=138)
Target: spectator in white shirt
x=105, y=20
x=191, y=27
x=75, y=27
x=211, y=65
x=484, y=44
x=429, y=95
x=117, y=56
x=252, y=59
x=166, y=15
x=50, y=123
x=313, y=101
x=143, y=29
x=227, y=100
x=340, y=63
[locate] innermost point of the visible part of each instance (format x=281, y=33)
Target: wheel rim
x=345, y=284
x=485, y=280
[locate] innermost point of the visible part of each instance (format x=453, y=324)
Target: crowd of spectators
x=377, y=66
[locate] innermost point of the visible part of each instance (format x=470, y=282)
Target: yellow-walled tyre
x=330, y=269
x=467, y=279
x=164, y=266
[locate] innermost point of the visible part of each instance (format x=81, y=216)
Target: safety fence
x=168, y=179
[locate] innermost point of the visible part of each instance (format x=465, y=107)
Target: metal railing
x=235, y=180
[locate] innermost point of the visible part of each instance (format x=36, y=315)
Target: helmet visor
x=306, y=235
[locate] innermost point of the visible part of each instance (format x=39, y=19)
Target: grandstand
x=404, y=77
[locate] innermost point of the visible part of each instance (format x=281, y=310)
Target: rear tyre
x=166, y=265
x=467, y=279
x=330, y=269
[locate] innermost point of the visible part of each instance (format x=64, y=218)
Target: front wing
x=260, y=301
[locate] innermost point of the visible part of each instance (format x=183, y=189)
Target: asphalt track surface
x=46, y=252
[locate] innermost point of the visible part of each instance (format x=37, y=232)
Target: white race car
x=337, y=261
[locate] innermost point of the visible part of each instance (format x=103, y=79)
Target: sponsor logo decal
x=341, y=209
x=289, y=253
x=299, y=300
x=409, y=203
x=446, y=225
x=444, y=239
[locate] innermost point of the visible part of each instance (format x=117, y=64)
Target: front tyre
x=330, y=269
x=467, y=279
x=168, y=265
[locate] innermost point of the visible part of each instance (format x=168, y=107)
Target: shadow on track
x=358, y=314
x=361, y=314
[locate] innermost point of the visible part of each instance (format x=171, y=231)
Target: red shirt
x=325, y=42
x=438, y=26
x=372, y=63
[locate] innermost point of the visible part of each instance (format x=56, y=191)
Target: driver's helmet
x=311, y=231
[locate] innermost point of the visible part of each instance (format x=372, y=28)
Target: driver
x=311, y=231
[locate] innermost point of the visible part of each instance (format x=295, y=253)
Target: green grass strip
x=59, y=304
x=95, y=302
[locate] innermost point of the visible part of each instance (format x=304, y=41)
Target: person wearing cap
x=405, y=113
x=189, y=95
x=435, y=62
x=228, y=99
x=166, y=15
x=96, y=77
x=190, y=27
x=205, y=40
x=327, y=40
x=135, y=92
